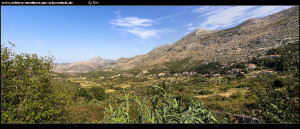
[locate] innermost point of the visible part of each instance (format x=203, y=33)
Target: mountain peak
x=98, y=59
x=95, y=58
x=203, y=32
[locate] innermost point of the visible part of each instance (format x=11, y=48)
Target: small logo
x=93, y=2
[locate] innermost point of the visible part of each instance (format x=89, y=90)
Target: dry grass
x=109, y=91
x=224, y=94
x=86, y=84
x=228, y=93
x=203, y=96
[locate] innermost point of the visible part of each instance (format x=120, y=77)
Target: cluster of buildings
x=186, y=73
x=166, y=73
x=274, y=57
x=123, y=75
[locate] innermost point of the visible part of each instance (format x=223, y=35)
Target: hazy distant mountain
x=236, y=44
x=96, y=63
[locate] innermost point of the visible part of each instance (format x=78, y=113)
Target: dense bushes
x=98, y=93
x=93, y=93
x=81, y=92
x=275, y=102
x=205, y=92
x=288, y=62
x=212, y=67
x=277, y=107
x=26, y=94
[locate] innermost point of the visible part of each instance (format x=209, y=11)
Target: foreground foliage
x=168, y=110
x=26, y=95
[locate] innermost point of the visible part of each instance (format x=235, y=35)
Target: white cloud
x=267, y=10
x=132, y=22
x=220, y=17
x=191, y=26
x=202, y=9
x=138, y=26
x=224, y=17
x=172, y=15
x=147, y=33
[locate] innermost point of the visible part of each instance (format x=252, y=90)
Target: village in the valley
x=252, y=70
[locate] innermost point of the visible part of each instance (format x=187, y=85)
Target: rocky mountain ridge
x=236, y=44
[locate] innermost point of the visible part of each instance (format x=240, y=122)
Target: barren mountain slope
x=242, y=42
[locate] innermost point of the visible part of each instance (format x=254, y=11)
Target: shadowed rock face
x=236, y=44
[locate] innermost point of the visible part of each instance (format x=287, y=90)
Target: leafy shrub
x=278, y=83
x=81, y=92
x=212, y=67
x=26, y=93
x=274, y=105
x=98, y=92
x=81, y=101
x=245, y=84
x=225, y=88
x=235, y=95
x=94, y=101
x=205, y=92
x=117, y=88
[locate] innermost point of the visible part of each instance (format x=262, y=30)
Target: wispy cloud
x=147, y=33
x=191, y=26
x=131, y=22
x=138, y=26
x=117, y=13
x=219, y=17
x=172, y=20
x=172, y=15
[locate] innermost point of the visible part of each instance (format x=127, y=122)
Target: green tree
x=240, y=76
x=212, y=67
x=98, y=92
x=26, y=94
x=81, y=92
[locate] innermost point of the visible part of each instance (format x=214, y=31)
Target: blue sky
x=77, y=33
